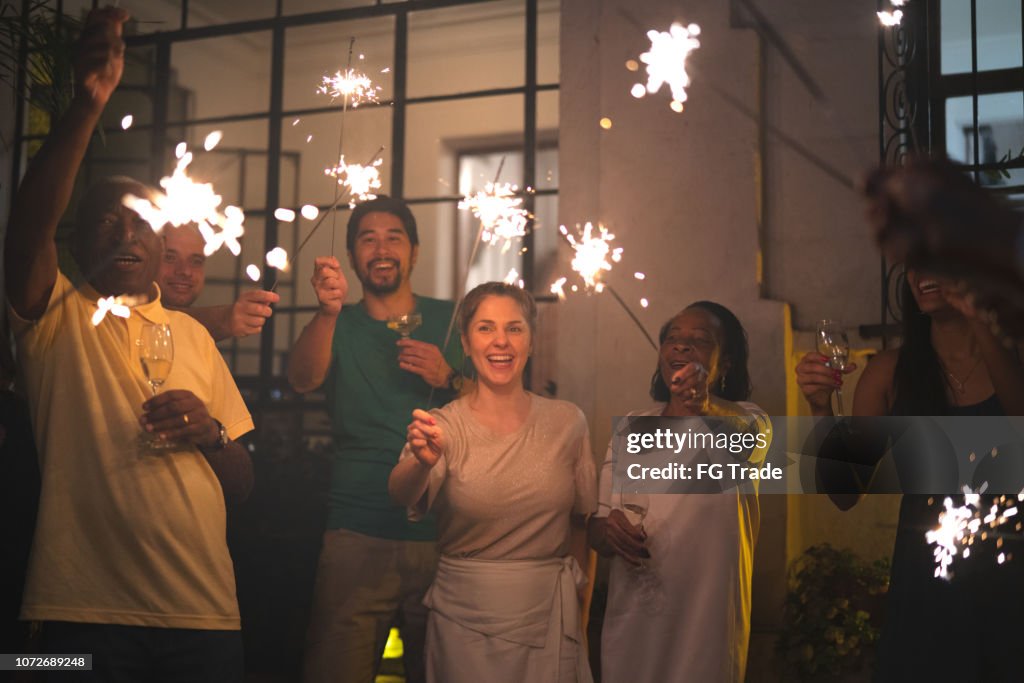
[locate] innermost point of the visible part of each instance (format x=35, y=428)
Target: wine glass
x=833, y=344
x=156, y=353
x=636, y=505
x=405, y=324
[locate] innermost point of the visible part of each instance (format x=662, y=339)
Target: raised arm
x=310, y=357
x=240, y=319
x=30, y=254
x=411, y=476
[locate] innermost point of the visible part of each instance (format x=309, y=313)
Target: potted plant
x=832, y=615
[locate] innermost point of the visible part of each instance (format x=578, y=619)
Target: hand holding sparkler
x=690, y=385
x=249, y=313
x=330, y=285
x=425, y=438
x=100, y=55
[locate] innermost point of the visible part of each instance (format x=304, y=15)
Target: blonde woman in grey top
x=511, y=478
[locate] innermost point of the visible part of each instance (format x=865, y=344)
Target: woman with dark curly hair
x=679, y=591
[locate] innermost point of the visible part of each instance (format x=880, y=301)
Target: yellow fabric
x=124, y=536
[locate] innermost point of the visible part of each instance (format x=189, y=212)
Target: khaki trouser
x=363, y=586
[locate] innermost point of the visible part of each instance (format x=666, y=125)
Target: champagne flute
x=156, y=353
x=833, y=344
x=405, y=324
x=636, y=505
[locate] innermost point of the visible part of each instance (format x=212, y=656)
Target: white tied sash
x=532, y=603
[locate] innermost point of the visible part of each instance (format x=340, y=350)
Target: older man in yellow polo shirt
x=129, y=560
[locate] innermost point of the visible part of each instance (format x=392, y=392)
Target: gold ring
x=185, y=418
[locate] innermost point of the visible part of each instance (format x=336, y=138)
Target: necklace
x=960, y=383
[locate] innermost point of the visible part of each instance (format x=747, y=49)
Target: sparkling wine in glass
x=833, y=344
x=636, y=505
x=405, y=324
x=156, y=353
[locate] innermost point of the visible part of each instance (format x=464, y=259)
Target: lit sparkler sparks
x=115, y=305
x=961, y=525
x=350, y=85
x=500, y=212
x=277, y=258
x=513, y=279
x=185, y=201
x=253, y=271
x=666, y=62
x=284, y=215
x=592, y=254
x=127, y=121
x=558, y=287
x=890, y=18
x=212, y=140
x=309, y=212
x=360, y=180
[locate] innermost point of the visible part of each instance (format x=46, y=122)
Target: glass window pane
x=546, y=171
x=999, y=34
x=216, y=12
x=236, y=166
x=223, y=76
x=955, y=22
x=435, y=274
x=1000, y=132
x=462, y=49
x=549, y=20
x=546, y=240
x=1001, y=126
x=312, y=52
x=437, y=131
x=309, y=6
x=960, y=128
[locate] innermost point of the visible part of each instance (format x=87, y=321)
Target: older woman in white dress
x=679, y=588
x=510, y=476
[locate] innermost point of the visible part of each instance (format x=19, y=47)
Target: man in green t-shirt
x=375, y=565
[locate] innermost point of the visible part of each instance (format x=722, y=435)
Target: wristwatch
x=454, y=382
x=222, y=438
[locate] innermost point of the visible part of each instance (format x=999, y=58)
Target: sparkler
x=513, y=279
x=592, y=258
x=961, y=525
x=115, y=305
x=253, y=271
x=890, y=18
x=127, y=121
x=666, y=62
x=212, y=140
x=284, y=215
x=351, y=85
x=186, y=201
x=360, y=180
x=309, y=212
x=591, y=254
x=500, y=212
x=277, y=258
